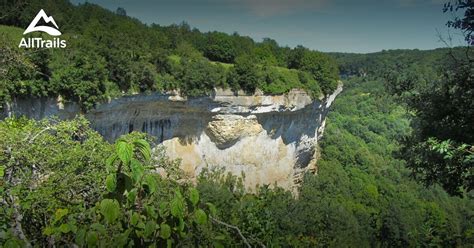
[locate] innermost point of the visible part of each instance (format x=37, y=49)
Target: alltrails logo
x=40, y=42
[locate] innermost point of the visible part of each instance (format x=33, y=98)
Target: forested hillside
x=377, y=64
x=437, y=89
x=113, y=54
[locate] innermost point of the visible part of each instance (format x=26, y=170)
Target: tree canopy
x=127, y=56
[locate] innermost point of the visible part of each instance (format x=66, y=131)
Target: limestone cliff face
x=269, y=139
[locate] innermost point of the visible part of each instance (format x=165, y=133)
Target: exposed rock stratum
x=268, y=139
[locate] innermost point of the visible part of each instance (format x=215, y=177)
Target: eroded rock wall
x=269, y=139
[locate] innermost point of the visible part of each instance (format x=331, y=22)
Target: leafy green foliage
x=463, y=23
x=79, y=76
x=106, y=195
x=439, y=150
x=278, y=80
x=21, y=73
x=443, y=116
x=110, y=54
x=51, y=169
x=139, y=209
x=219, y=47
x=320, y=66
x=110, y=210
x=436, y=87
x=199, y=76
x=244, y=75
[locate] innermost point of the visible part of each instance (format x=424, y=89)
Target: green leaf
x=137, y=170
x=144, y=148
x=72, y=226
x=60, y=213
x=181, y=224
x=64, y=228
x=98, y=227
x=135, y=218
x=132, y=195
x=92, y=238
x=212, y=209
x=80, y=237
x=110, y=209
x=141, y=225
x=150, y=180
x=150, y=227
x=2, y=170
x=109, y=163
x=165, y=231
x=217, y=244
x=13, y=243
x=193, y=196
x=200, y=217
x=48, y=231
x=150, y=210
x=111, y=182
x=124, y=183
x=124, y=151
x=219, y=237
x=122, y=239
x=163, y=209
x=177, y=205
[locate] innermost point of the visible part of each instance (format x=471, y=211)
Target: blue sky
x=326, y=25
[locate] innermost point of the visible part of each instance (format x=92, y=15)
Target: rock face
x=226, y=130
x=268, y=139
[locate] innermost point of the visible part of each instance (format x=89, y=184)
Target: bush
x=198, y=77
x=245, y=75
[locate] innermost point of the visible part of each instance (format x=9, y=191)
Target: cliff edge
x=268, y=139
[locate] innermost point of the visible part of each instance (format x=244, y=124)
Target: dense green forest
x=436, y=88
x=396, y=164
x=379, y=63
x=113, y=54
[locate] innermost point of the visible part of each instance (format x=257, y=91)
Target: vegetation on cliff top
x=110, y=54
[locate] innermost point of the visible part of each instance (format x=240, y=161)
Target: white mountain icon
x=48, y=19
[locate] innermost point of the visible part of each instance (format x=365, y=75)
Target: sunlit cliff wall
x=269, y=139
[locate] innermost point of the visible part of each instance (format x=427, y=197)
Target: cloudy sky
x=325, y=25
